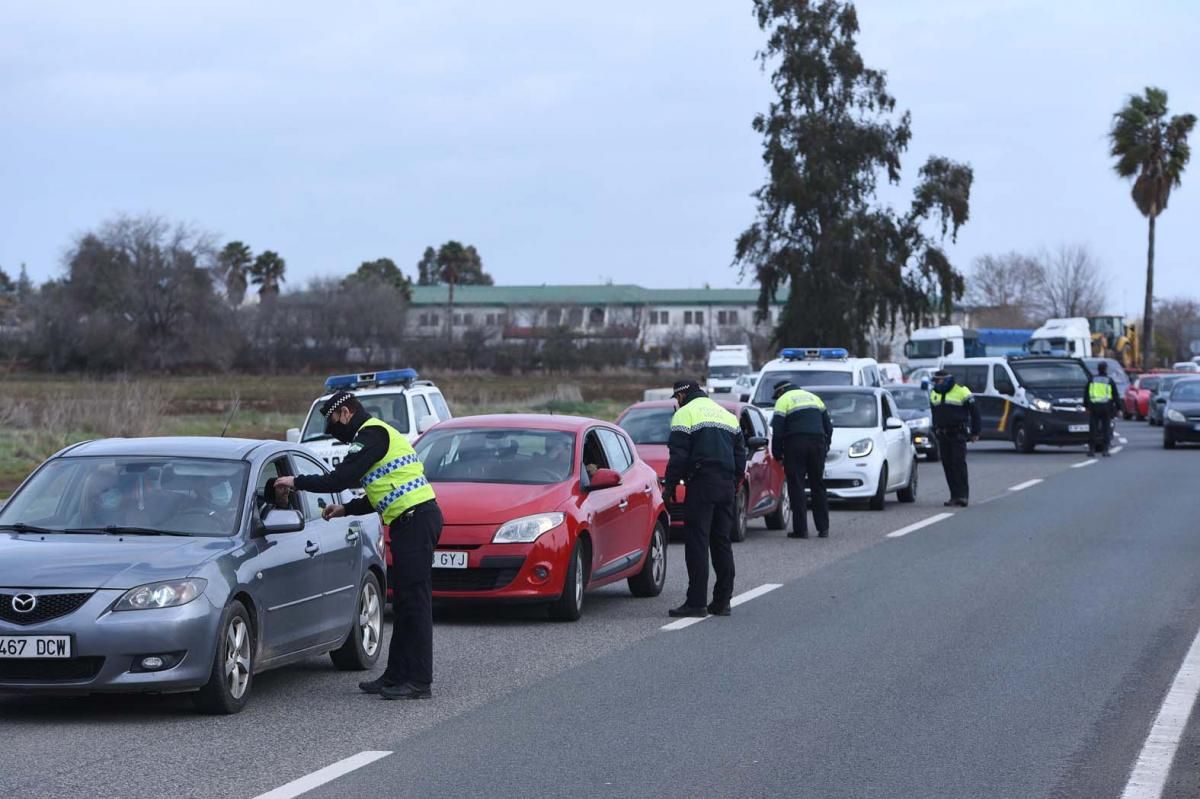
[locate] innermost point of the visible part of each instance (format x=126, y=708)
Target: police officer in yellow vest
x=708, y=456
x=385, y=466
x=801, y=431
x=955, y=421
x=1101, y=401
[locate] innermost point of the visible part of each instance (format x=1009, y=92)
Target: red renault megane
x=540, y=508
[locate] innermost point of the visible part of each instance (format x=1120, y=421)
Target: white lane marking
x=1081, y=464
x=1115, y=450
x=322, y=776
x=923, y=523
x=741, y=598
x=1025, y=485
x=1153, y=766
x=1123, y=439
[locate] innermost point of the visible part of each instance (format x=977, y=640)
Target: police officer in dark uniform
x=708, y=456
x=383, y=463
x=955, y=421
x=801, y=432
x=1101, y=401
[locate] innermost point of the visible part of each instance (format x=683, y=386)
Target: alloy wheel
x=370, y=618
x=578, y=580
x=785, y=507
x=237, y=657
x=658, y=559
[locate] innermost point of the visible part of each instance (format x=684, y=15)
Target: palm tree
x=1153, y=150
x=233, y=265
x=453, y=262
x=267, y=274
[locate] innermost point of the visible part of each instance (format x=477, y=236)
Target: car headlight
x=1040, y=405
x=1176, y=416
x=167, y=594
x=921, y=423
x=861, y=448
x=527, y=529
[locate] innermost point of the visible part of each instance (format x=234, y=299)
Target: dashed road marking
x=1153, y=766
x=1081, y=464
x=322, y=776
x=1123, y=439
x=1025, y=485
x=1115, y=450
x=917, y=526
x=740, y=599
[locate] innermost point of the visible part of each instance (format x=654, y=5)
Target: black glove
x=669, y=493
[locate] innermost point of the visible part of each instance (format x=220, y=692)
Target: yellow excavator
x=1113, y=337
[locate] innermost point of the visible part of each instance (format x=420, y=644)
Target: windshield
x=648, y=425
x=764, y=396
x=924, y=348
x=726, y=372
x=183, y=496
x=1065, y=374
x=1165, y=384
x=1188, y=391
x=911, y=399
x=1148, y=383
x=493, y=455
x=851, y=408
x=390, y=408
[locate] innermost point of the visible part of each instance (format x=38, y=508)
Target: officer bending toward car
x=1101, y=401
x=955, y=421
x=708, y=456
x=801, y=432
x=383, y=463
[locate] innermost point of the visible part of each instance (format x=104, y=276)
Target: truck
x=1114, y=337
x=1070, y=337
x=726, y=363
x=930, y=347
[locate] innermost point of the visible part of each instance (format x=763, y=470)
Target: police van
x=813, y=366
x=396, y=396
x=1029, y=399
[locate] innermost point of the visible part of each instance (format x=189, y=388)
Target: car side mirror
x=280, y=520
x=293, y=435
x=755, y=443
x=893, y=424
x=425, y=423
x=603, y=478
x=745, y=398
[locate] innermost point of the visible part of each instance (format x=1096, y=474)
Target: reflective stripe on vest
x=703, y=412
x=798, y=400
x=957, y=395
x=1100, y=391
x=397, y=482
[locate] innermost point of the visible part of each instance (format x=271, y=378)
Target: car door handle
x=623, y=504
x=355, y=529
x=648, y=490
x=312, y=548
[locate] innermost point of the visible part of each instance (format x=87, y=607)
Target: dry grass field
x=40, y=414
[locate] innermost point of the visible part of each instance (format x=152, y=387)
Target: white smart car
x=872, y=453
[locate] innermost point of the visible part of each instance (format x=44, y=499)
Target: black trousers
x=413, y=538
x=804, y=464
x=708, y=511
x=1100, y=429
x=953, y=450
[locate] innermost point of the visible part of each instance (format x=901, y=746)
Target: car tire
x=651, y=580
x=1126, y=415
x=1022, y=440
x=781, y=517
x=909, y=492
x=569, y=606
x=1168, y=442
x=228, y=688
x=360, y=651
x=934, y=456
x=876, y=502
x=741, y=518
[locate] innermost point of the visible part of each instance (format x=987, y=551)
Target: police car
x=396, y=396
x=813, y=366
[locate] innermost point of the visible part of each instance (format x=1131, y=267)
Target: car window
x=764, y=395
x=629, y=451
x=648, y=425
x=974, y=378
x=760, y=424
x=747, y=424
x=311, y=503
x=850, y=408
x=618, y=458
x=910, y=399
x=439, y=405
x=390, y=408
x=276, y=468
x=888, y=410
x=872, y=375
x=1002, y=382
x=421, y=408
x=594, y=456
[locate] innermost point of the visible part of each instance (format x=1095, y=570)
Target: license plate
x=35, y=646
x=1078, y=428
x=449, y=560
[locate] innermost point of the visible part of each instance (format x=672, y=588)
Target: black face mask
x=340, y=431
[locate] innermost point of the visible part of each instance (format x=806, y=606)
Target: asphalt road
x=1019, y=648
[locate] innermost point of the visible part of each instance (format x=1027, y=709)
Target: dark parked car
x=1181, y=419
x=1158, y=399
x=912, y=404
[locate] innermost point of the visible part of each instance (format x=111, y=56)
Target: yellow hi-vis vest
x=1100, y=391
x=957, y=395
x=798, y=400
x=396, y=482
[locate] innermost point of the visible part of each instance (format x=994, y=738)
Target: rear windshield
x=765, y=395
x=1048, y=374
x=1149, y=383
x=911, y=399
x=850, y=408
x=391, y=408
x=648, y=425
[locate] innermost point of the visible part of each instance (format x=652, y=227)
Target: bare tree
x=1005, y=288
x=1176, y=321
x=1072, y=283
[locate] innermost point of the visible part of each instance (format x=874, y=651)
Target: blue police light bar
x=388, y=377
x=813, y=353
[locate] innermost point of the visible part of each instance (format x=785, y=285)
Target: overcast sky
x=570, y=142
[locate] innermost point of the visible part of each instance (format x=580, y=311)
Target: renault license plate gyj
x=1078, y=428
x=35, y=646
x=449, y=560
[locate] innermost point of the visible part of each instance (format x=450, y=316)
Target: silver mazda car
x=171, y=564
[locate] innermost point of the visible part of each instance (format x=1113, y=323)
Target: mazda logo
x=24, y=603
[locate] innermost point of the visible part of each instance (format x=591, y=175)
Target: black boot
x=686, y=611
x=376, y=685
x=719, y=608
x=798, y=534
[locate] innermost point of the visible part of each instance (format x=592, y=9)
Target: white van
x=726, y=363
x=814, y=366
